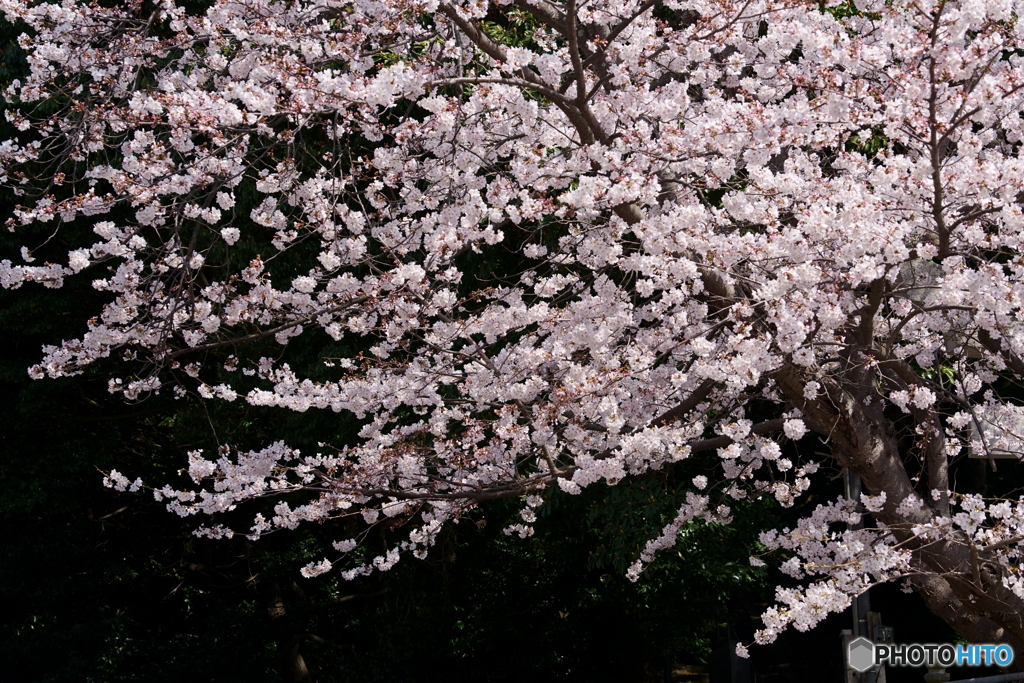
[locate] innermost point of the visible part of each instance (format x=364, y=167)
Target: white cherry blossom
x=714, y=227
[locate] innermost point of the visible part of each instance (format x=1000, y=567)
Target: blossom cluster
x=716, y=227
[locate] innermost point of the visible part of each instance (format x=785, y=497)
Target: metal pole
x=862, y=603
x=851, y=490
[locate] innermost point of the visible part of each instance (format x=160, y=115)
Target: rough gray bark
x=951, y=581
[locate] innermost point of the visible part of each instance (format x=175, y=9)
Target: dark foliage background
x=102, y=586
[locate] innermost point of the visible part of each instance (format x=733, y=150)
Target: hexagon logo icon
x=861, y=654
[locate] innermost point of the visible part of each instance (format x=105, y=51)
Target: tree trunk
x=974, y=603
x=293, y=664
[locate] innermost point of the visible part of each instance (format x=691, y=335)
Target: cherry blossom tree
x=712, y=226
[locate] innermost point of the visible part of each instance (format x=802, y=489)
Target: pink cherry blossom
x=718, y=226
